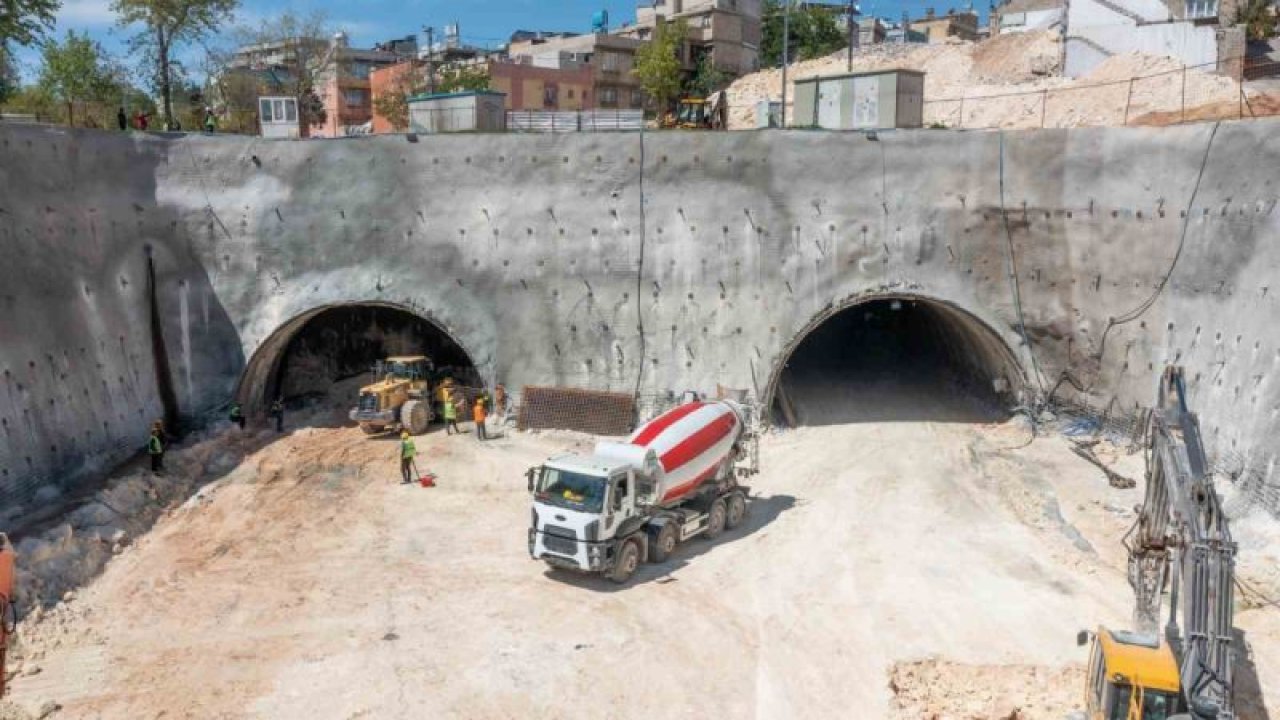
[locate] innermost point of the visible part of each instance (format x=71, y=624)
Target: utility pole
x=431, y=59
x=853, y=34
x=786, y=50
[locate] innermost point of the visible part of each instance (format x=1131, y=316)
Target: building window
x=637, y=99
x=359, y=69
x=550, y=95
x=569, y=93
x=1202, y=9
x=355, y=98
x=608, y=97
x=278, y=110
x=610, y=61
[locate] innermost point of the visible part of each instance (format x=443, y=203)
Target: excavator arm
x=1181, y=543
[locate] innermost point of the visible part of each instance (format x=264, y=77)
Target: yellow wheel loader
x=398, y=399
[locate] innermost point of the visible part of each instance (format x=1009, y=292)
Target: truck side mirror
x=529, y=475
x=1082, y=638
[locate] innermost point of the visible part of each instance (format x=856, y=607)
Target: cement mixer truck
x=674, y=478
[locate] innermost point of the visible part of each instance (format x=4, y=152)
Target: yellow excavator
x=1180, y=544
x=399, y=397
x=8, y=613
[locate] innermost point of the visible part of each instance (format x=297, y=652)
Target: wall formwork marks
x=527, y=250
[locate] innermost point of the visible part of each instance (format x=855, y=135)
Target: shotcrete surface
x=908, y=569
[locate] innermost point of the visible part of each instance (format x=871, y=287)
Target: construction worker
x=479, y=414
x=210, y=122
x=450, y=408
x=277, y=412
x=155, y=448
x=237, y=414
x=407, y=453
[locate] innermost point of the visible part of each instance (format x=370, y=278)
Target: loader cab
x=1131, y=676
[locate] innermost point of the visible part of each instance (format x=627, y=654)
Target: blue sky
x=482, y=22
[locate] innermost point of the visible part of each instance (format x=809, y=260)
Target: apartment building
x=728, y=31
x=607, y=59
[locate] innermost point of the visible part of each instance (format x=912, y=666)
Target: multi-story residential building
x=728, y=31
x=339, y=78
x=609, y=58
x=343, y=86
x=962, y=25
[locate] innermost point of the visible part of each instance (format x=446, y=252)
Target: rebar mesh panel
x=590, y=411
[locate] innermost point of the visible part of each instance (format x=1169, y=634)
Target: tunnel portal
x=896, y=359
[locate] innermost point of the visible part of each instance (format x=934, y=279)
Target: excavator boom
x=1181, y=542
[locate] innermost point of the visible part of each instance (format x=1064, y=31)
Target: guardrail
x=550, y=121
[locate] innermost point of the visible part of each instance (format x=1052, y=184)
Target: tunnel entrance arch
x=317, y=349
x=895, y=356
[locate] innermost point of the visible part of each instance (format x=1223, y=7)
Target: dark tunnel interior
x=344, y=342
x=897, y=359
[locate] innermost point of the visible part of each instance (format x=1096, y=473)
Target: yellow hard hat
x=404, y=434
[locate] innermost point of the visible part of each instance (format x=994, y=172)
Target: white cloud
x=86, y=13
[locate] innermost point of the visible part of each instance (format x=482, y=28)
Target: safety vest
x=235, y=411
x=407, y=450
x=154, y=446
x=479, y=413
x=450, y=410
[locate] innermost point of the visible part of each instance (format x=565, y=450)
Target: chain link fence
x=1193, y=93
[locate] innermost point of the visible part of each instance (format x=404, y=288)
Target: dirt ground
x=888, y=570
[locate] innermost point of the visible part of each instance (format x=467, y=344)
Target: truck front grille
x=560, y=540
x=368, y=402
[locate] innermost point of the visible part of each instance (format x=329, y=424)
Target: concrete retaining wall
x=527, y=251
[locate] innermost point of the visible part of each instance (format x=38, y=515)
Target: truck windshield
x=571, y=490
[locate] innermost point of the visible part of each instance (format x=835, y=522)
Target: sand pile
x=1010, y=82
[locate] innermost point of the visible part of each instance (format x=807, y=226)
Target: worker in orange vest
x=478, y=414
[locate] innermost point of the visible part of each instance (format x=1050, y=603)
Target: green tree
x=25, y=22
x=814, y=33
x=1258, y=18
x=76, y=72
x=166, y=26
x=657, y=64
x=708, y=78
x=462, y=79
x=289, y=54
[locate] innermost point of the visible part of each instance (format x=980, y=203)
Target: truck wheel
x=663, y=543
x=715, y=519
x=628, y=561
x=736, y=510
x=414, y=417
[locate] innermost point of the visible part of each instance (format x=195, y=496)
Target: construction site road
x=887, y=570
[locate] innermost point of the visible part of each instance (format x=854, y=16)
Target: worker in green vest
x=407, y=453
x=155, y=448
x=450, y=408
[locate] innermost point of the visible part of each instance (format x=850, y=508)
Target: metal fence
x=1192, y=93
x=547, y=121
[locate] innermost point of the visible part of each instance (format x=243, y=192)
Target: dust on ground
x=882, y=563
